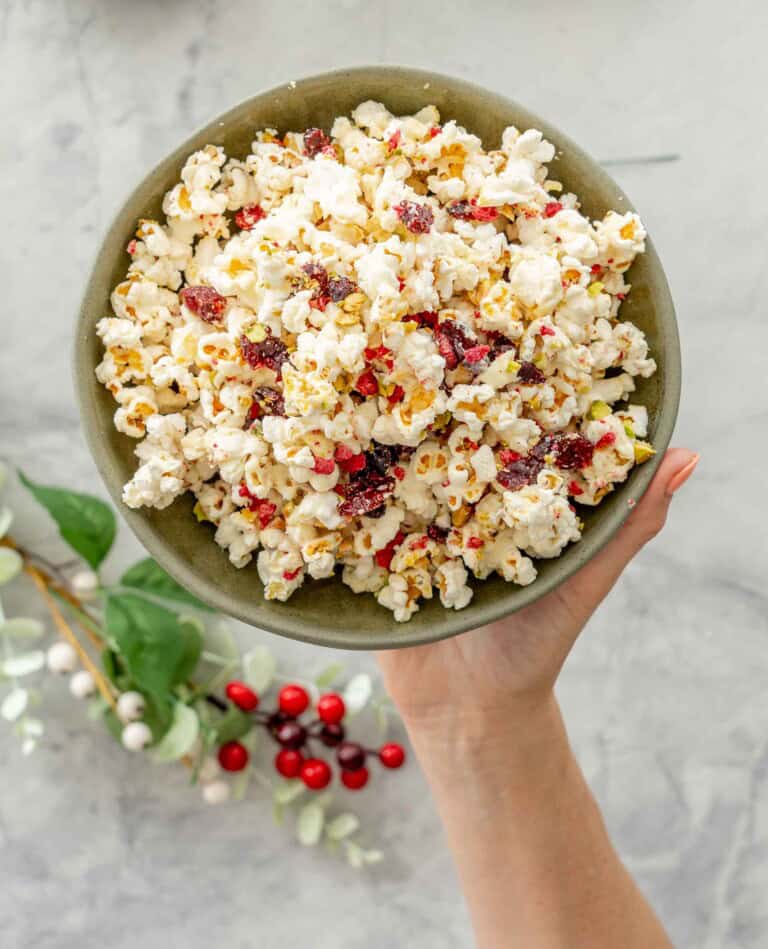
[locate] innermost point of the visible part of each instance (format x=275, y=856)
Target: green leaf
x=180, y=737
x=10, y=564
x=259, y=666
x=309, y=824
x=355, y=854
x=232, y=724
x=24, y=663
x=329, y=675
x=373, y=856
x=342, y=826
x=85, y=523
x=240, y=784
x=6, y=519
x=14, y=704
x=22, y=627
x=3, y=473
x=149, y=577
x=158, y=648
x=357, y=693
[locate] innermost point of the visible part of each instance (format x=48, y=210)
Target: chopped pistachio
x=595, y=288
x=629, y=430
x=643, y=451
x=256, y=333
x=199, y=513
x=599, y=409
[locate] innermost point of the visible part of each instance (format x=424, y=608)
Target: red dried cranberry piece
x=315, y=140
x=204, y=302
x=521, y=472
x=366, y=383
x=530, y=374
x=323, y=465
x=385, y=555
x=418, y=218
x=573, y=451
x=552, y=208
x=266, y=401
x=475, y=543
x=362, y=502
x=424, y=318
x=484, y=214
x=437, y=533
x=507, y=456
x=462, y=210
x=476, y=354
x=381, y=458
x=270, y=353
x=499, y=343
x=397, y=395
x=339, y=288
x=574, y=489
x=249, y=216
x=605, y=440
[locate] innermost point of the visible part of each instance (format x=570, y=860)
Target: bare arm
x=535, y=861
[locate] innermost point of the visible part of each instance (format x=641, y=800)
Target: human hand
x=516, y=660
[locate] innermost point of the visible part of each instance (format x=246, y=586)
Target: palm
x=523, y=653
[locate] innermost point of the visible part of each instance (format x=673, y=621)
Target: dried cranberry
x=476, y=354
x=452, y=342
x=366, y=383
x=574, y=489
x=398, y=472
x=397, y=395
x=377, y=512
x=546, y=331
x=437, y=533
x=362, y=502
x=507, y=456
x=552, y=208
x=530, y=374
x=265, y=510
x=270, y=353
x=249, y=216
x=339, y=288
x=315, y=140
x=485, y=214
x=460, y=209
x=605, y=440
x=348, y=460
x=475, y=543
x=521, y=472
x=385, y=555
x=572, y=451
x=266, y=401
x=318, y=273
x=424, y=318
x=381, y=458
x=323, y=465
x=204, y=302
x=499, y=343
x=418, y=218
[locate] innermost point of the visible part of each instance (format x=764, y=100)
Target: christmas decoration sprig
x=164, y=674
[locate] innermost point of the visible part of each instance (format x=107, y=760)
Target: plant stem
x=68, y=634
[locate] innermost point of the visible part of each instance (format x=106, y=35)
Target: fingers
x=595, y=580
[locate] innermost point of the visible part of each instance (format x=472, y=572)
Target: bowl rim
x=453, y=622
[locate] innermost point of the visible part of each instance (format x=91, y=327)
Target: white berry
x=216, y=792
x=82, y=684
x=61, y=658
x=136, y=736
x=209, y=771
x=130, y=706
x=84, y=583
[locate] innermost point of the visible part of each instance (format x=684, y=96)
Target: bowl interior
x=327, y=612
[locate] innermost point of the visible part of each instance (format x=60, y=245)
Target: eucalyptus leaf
x=357, y=693
x=96, y=708
x=23, y=664
x=220, y=640
x=259, y=667
x=288, y=791
x=231, y=725
x=329, y=675
x=309, y=824
x=373, y=856
x=158, y=648
x=342, y=826
x=278, y=813
x=10, y=564
x=6, y=519
x=85, y=523
x=22, y=627
x=355, y=854
x=14, y=704
x=180, y=737
x=149, y=577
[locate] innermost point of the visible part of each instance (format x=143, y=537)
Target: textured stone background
x=665, y=694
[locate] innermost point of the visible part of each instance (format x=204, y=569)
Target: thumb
x=595, y=580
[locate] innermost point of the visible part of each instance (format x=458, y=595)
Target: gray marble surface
x=666, y=694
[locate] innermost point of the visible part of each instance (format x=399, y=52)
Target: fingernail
x=678, y=480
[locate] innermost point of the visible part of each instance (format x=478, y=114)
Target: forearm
x=535, y=861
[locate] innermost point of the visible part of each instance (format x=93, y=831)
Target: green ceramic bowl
x=327, y=612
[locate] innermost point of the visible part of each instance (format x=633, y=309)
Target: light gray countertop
x=666, y=695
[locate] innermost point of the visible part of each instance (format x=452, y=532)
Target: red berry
x=249, y=216
x=288, y=762
x=392, y=755
x=323, y=465
x=315, y=773
x=350, y=755
x=233, y=756
x=292, y=700
x=330, y=708
x=366, y=383
x=290, y=734
x=332, y=735
x=242, y=695
x=355, y=780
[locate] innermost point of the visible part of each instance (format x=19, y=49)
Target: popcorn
x=386, y=392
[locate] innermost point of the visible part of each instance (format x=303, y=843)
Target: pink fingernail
x=678, y=480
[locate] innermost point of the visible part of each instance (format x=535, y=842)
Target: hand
x=518, y=658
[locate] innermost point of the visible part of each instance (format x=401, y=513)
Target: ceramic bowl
x=327, y=612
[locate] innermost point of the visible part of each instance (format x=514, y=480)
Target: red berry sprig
x=297, y=757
